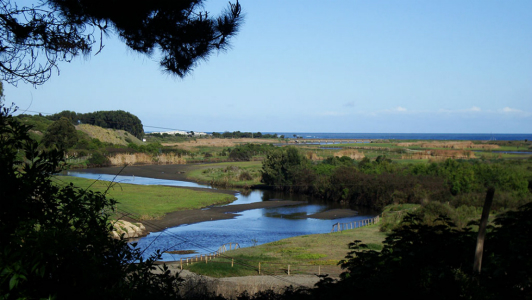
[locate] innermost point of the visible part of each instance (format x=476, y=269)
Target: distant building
x=181, y=132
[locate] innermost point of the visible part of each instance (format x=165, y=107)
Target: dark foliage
x=381, y=182
x=436, y=262
x=60, y=134
x=246, y=152
x=97, y=160
x=280, y=167
x=238, y=134
x=509, y=254
x=56, y=241
x=35, y=38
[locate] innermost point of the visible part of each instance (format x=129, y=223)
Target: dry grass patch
x=440, y=154
x=144, y=159
x=313, y=156
x=113, y=136
x=450, y=145
x=189, y=145
x=353, y=154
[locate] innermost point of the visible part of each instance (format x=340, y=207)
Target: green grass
x=149, y=201
x=228, y=174
x=302, y=253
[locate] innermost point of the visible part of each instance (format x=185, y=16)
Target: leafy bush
x=99, y=160
x=419, y=261
x=56, y=241
x=245, y=176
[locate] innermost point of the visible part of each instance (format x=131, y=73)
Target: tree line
x=238, y=134
x=381, y=182
x=115, y=119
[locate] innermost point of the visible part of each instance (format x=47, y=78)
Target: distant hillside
x=115, y=119
x=113, y=136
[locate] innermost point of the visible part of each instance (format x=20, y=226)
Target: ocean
x=410, y=136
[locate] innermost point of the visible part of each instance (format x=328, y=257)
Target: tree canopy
x=56, y=240
x=34, y=38
x=61, y=133
x=115, y=119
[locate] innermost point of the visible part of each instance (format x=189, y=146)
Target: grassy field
x=307, y=254
x=113, y=136
x=228, y=174
x=148, y=202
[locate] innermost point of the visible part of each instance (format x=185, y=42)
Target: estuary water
x=248, y=228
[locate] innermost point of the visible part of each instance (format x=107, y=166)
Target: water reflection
x=256, y=226
x=136, y=180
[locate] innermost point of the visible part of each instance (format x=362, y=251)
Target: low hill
x=113, y=136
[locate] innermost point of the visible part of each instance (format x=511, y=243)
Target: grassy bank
x=228, y=174
x=307, y=254
x=148, y=202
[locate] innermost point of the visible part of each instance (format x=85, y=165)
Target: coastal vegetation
x=453, y=188
x=228, y=174
x=427, y=191
x=425, y=199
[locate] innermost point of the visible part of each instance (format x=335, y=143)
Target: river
x=248, y=228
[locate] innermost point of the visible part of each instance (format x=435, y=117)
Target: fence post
x=232, y=262
x=259, y=267
x=288, y=269
x=181, y=263
x=319, y=270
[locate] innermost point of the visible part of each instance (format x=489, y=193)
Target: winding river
x=248, y=228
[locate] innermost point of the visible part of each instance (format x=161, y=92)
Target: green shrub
x=99, y=160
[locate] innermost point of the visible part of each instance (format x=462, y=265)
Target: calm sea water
x=410, y=136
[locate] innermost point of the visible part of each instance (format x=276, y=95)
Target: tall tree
x=61, y=134
x=55, y=241
x=34, y=38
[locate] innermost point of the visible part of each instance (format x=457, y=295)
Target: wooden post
x=229, y=246
x=259, y=267
x=181, y=263
x=206, y=259
x=482, y=230
x=232, y=262
x=187, y=261
x=319, y=270
x=288, y=269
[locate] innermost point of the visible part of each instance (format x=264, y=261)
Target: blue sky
x=325, y=66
